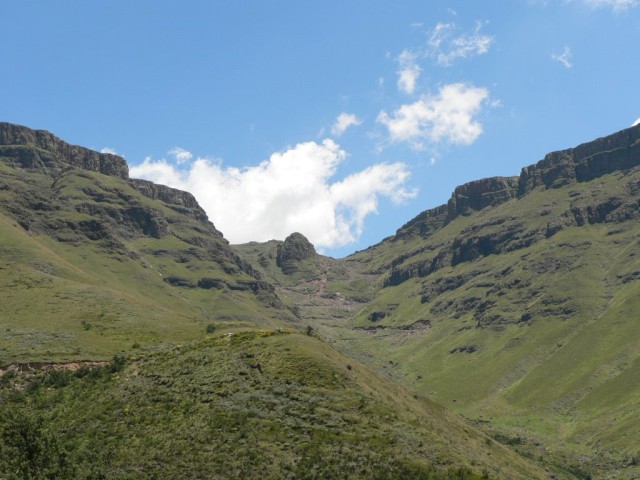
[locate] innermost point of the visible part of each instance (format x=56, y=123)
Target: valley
x=494, y=336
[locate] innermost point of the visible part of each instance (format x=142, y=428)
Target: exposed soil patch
x=44, y=366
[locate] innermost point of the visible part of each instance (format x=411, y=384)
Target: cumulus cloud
x=180, y=154
x=110, y=150
x=564, y=58
x=344, y=122
x=408, y=72
x=447, y=117
x=447, y=46
x=637, y=122
x=291, y=191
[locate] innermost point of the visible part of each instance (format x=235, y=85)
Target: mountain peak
x=41, y=149
x=294, y=249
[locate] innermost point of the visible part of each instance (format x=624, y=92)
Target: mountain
x=94, y=262
x=514, y=304
x=135, y=342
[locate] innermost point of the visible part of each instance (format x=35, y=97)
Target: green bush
x=29, y=451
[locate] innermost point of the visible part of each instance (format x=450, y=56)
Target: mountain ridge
x=21, y=136
x=587, y=161
x=73, y=221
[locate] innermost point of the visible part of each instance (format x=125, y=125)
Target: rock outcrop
x=585, y=162
x=293, y=250
x=479, y=194
x=39, y=148
x=424, y=224
x=178, y=200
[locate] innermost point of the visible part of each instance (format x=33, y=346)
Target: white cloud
x=616, y=5
x=180, y=154
x=564, y=58
x=637, y=122
x=343, y=122
x=439, y=34
x=447, y=117
x=408, y=73
x=110, y=150
x=291, y=191
x=446, y=46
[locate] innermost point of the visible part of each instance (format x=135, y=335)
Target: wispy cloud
x=564, y=58
x=447, y=45
x=616, y=5
x=110, y=150
x=344, y=122
x=637, y=122
x=408, y=72
x=180, y=154
x=291, y=191
x=447, y=117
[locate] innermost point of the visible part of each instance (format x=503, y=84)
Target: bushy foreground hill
x=517, y=303
x=263, y=404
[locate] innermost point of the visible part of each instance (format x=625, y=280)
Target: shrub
x=29, y=451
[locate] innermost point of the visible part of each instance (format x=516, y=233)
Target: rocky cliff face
x=465, y=199
x=617, y=152
x=39, y=148
x=177, y=200
x=479, y=194
x=585, y=162
x=424, y=224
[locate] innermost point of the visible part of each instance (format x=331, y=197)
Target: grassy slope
x=567, y=377
x=81, y=280
x=323, y=292
x=66, y=296
x=263, y=404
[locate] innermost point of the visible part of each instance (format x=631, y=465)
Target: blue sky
x=338, y=119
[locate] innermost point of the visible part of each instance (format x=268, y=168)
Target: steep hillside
x=207, y=382
x=262, y=404
x=92, y=262
x=320, y=291
x=517, y=303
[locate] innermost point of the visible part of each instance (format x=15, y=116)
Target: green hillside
x=262, y=404
x=95, y=263
x=516, y=305
x=208, y=379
